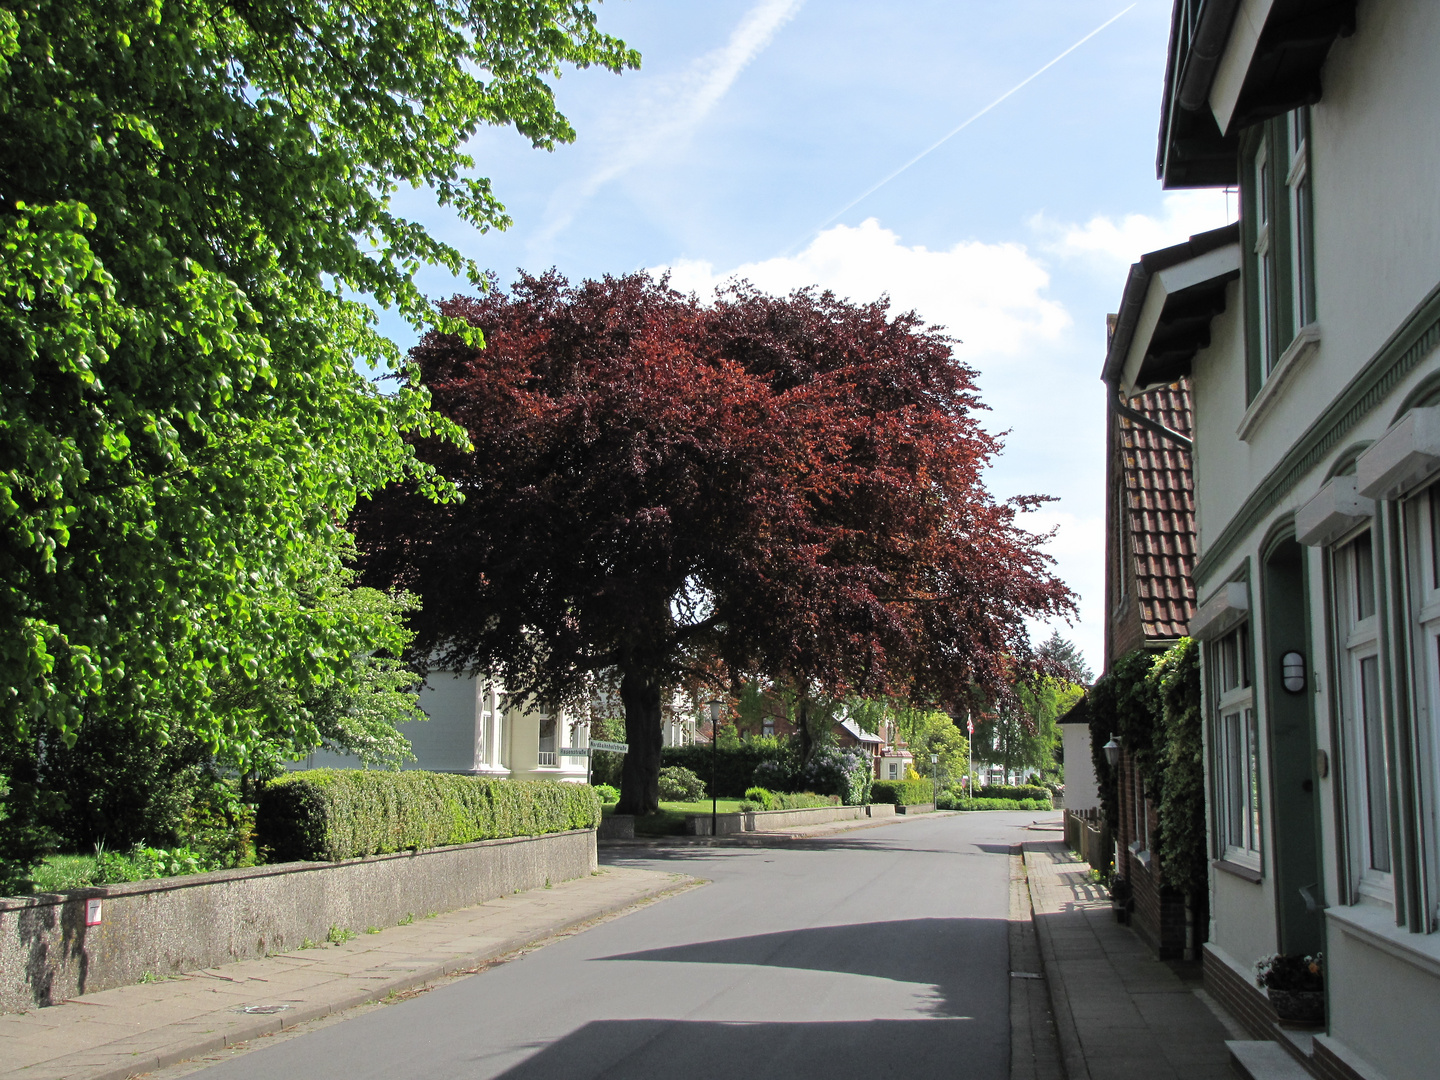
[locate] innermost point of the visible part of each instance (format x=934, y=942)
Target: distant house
x=849, y=734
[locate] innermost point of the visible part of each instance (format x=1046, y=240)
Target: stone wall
x=170, y=925
x=765, y=820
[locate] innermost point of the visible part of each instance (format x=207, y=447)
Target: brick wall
x=1159, y=912
x=1239, y=995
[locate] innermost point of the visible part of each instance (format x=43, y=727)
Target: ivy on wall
x=1151, y=702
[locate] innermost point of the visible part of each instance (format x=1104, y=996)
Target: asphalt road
x=876, y=953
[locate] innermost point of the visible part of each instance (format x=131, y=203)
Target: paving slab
x=1120, y=1014
x=130, y=1030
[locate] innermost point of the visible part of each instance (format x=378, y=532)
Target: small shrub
x=607, y=793
x=804, y=800
x=679, y=784
x=338, y=935
x=848, y=773
x=775, y=774
x=764, y=800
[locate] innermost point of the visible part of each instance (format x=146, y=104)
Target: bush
x=736, y=767
x=763, y=799
x=902, y=792
x=848, y=773
x=678, y=784
x=1016, y=791
x=333, y=814
x=607, y=793
x=997, y=804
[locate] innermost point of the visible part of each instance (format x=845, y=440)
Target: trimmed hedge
x=757, y=798
x=902, y=792
x=326, y=815
x=736, y=765
x=994, y=804
x=1015, y=791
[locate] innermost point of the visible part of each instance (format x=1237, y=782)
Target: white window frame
x=1265, y=307
x=1421, y=515
x=1362, y=719
x=1299, y=195
x=1238, y=821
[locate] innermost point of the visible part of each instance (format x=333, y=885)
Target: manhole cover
x=262, y=1010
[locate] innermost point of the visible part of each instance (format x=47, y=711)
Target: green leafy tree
x=1022, y=734
x=195, y=219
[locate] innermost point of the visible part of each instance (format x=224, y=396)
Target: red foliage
x=792, y=483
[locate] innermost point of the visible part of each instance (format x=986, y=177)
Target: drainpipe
x=1211, y=33
x=1117, y=400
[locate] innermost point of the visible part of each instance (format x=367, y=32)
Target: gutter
x=1206, y=48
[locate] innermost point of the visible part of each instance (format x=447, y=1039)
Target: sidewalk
x=134, y=1029
x=1120, y=1014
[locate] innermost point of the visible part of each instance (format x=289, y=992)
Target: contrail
x=956, y=131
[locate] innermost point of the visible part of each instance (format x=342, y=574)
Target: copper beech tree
x=780, y=484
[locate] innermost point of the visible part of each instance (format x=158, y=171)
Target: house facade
x=1308, y=333
x=476, y=728
x=1150, y=551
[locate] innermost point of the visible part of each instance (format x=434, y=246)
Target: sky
x=785, y=141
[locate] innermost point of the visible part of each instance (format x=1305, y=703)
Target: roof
x=1079, y=713
x=1170, y=297
x=859, y=732
x=1159, y=501
x=1273, y=66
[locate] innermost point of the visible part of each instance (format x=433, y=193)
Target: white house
x=475, y=728
x=1310, y=337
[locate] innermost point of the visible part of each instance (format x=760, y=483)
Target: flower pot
x=1299, y=1006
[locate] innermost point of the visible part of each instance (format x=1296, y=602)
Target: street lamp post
x=714, y=704
x=934, y=779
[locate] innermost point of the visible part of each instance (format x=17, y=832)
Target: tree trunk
x=640, y=775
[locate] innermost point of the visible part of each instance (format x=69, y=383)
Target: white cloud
x=671, y=108
x=1109, y=241
x=991, y=296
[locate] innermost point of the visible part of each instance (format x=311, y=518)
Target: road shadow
x=964, y=960
x=696, y=1050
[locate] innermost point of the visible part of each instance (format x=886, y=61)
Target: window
x=1421, y=515
x=1236, y=751
x=1276, y=204
x=767, y=726
x=1362, y=718
x=1297, y=181
x=894, y=770
x=547, y=740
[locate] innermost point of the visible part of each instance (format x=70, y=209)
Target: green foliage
x=902, y=792
x=1018, y=791
x=1122, y=704
x=679, y=784
x=735, y=767
x=333, y=814
x=1023, y=734
x=605, y=767
x=1152, y=704
x=846, y=772
x=1182, y=845
x=994, y=804
x=760, y=797
x=196, y=223
x=928, y=732
x=607, y=793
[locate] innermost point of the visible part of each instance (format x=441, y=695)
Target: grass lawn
x=60, y=873
x=670, y=819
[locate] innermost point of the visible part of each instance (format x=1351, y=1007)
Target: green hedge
x=734, y=767
x=1015, y=791
x=995, y=804
x=331, y=814
x=902, y=792
x=758, y=798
